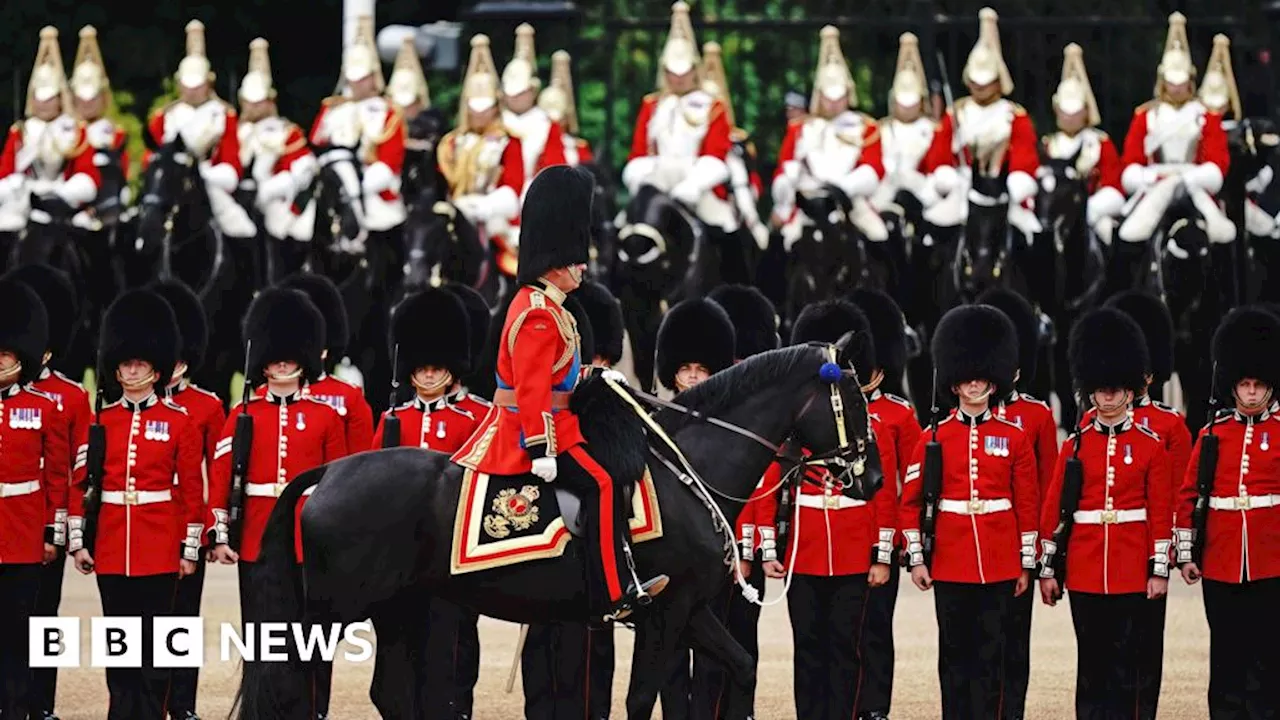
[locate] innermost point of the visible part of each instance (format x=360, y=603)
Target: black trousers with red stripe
x=1109, y=645
x=186, y=680
x=606, y=572
x=971, y=627
x=139, y=693
x=1017, y=655
x=1244, y=668
x=44, y=681
x=714, y=692
x=567, y=672
x=18, y=587
x=877, y=646
x=827, y=617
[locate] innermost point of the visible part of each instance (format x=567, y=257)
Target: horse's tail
x=277, y=690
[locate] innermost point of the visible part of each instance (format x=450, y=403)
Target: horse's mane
x=750, y=377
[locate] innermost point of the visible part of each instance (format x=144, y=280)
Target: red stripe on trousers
x=607, y=555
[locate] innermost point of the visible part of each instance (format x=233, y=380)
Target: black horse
x=366, y=558
x=987, y=253
x=1252, y=143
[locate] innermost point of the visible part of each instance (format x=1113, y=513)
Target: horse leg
x=659, y=639
x=710, y=638
x=394, y=685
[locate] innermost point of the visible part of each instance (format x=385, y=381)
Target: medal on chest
x=25, y=418
x=997, y=446
x=337, y=402
x=1266, y=442
x=301, y=423
x=157, y=430
x=1128, y=454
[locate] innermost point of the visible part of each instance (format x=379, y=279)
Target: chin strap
x=136, y=384
x=434, y=389
x=11, y=372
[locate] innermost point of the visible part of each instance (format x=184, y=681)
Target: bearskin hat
x=827, y=321
x=139, y=325
x=478, y=317
x=283, y=325
x=694, y=331
x=587, y=349
x=755, y=320
x=1247, y=345
x=606, y=320
x=60, y=300
x=976, y=342
x=24, y=327
x=1152, y=315
x=1025, y=321
x=555, y=221
x=328, y=300
x=1107, y=350
x=888, y=327
x=432, y=328
x=193, y=324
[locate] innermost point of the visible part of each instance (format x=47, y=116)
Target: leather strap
x=503, y=397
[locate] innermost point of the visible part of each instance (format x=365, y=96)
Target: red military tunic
x=1105, y=169
x=79, y=160
x=1243, y=530
x=34, y=472
x=899, y=428
x=715, y=141
x=1170, y=426
x=1035, y=418
x=73, y=404
x=1212, y=145
x=152, y=490
x=465, y=178
x=868, y=150
x=1125, y=515
x=989, y=515
x=226, y=150
x=1023, y=153
x=290, y=435
x=449, y=421
x=348, y=400
x=103, y=134
x=538, y=366
x=577, y=151
x=205, y=410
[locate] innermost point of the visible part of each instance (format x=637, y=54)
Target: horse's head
x=172, y=175
x=339, y=203
x=442, y=246
x=654, y=223
x=1252, y=142
x=1062, y=190
x=985, y=252
x=423, y=183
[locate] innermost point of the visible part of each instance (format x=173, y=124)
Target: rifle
x=1072, y=486
x=95, y=468
x=931, y=474
x=391, y=426
x=1205, y=472
x=241, y=448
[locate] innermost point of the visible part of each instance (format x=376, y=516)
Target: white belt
x=975, y=507
x=1244, y=502
x=271, y=490
x=830, y=502
x=19, y=488
x=1109, y=517
x=136, y=497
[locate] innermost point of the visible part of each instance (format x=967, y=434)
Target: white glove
x=76, y=190
x=945, y=179
x=221, y=176
x=687, y=192
x=1138, y=177
x=761, y=235
x=469, y=206
x=277, y=187
x=1260, y=181
x=10, y=185
x=783, y=190
x=615, y=376
x=378, y=177
x=41, y=187
x=545, y=468
x=859, y=183
x=1021, y=186
x=637, y=170
x=1205, y=176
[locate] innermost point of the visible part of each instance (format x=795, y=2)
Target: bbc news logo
x=179, y=642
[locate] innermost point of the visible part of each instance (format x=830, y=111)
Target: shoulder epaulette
x=1018, y=109
x=344, y=382
x=308, y=398
x=1147, y=431
x=40, y=393
x=16, y=127
x=1034, y=400
x=1165, y=407
x=67, y=380
x=173, y=406
x=110, y=405
x=1144, y=107
x=896, y=398
x=403, y=406
x=652, y=97
x=1223, y=416
x=738, y=135
x=796, y=122
x=1010, y=423
x=334, y=100
x=476, y=398
x=943, y=421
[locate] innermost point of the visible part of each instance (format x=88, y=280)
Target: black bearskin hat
x=1247, y=345
x=694, y=331
x=24, y=327
x=283, y=325
x=328, y=300
x=606, y=320
x=1025, y=321
x=193, y=324
x=587, y=349
x=1153, y=317
x=1107, y=350
x=888, y=327
x=555, y=221
x=755, y=320
x=139, y=325
x=432, y=328
x=61, y=302
x=478, y=317
x=827, y=321
x=976, y=342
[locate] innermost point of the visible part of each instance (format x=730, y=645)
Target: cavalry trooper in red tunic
x=986, y=510
x=149, y=522
x=1107, y=524
x=556, y=100
x=347, y=399
x=541, y=138
x=907, y=133
x=899, y=428
x=695, y=341
x=58, y=296
x=34, y=471
x=207, y=416
x=842, y=547
x=530, y=428
x=1236, y=548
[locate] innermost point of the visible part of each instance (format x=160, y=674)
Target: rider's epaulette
x=796, y=122
x=334, y=100
x=1018, y=110
x=738, y=135
x=1147, y=431
x=16, y=127
x=1148, y=105
x=652, y=97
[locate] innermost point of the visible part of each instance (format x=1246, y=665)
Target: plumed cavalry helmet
x=408, y=82
x=986, y=61
x=555, y=222
x=360, y=59
x=521, y=73
x=1176, y=66
x=89, y=72
x=888, y=329
x=324, y=294
x=832, y=79
x=605, y=315
x=1246, y=345
x=480, y=84
x=696, y=330
x=755, y=320
x=557, y=99
x=256, y=85
x=827, y=321
x=194, y=70
x=193, y=324
x=432, y=328
x=976, y=342
x=909, y=85
x=1025, y=322
x=1074, y=92
x=680, y=53
x=1153, y=317
x=24, y=327
x=714, y=80
x=48, y=79
x=1107, y=351
x=61, y=304
x=1218, y=89
x=478, y=318
x=139, y=325
x=283, y=325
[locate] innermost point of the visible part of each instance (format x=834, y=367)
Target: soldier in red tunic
x=986, y=510
x=207, y=417
x=148, y=525
x=1112, y=519
x=530, y=428
x=34, y=468
x=1236, y=548
x=58, y=296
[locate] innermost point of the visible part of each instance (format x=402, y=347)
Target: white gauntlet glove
x=615, y=376
x=545, y=468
